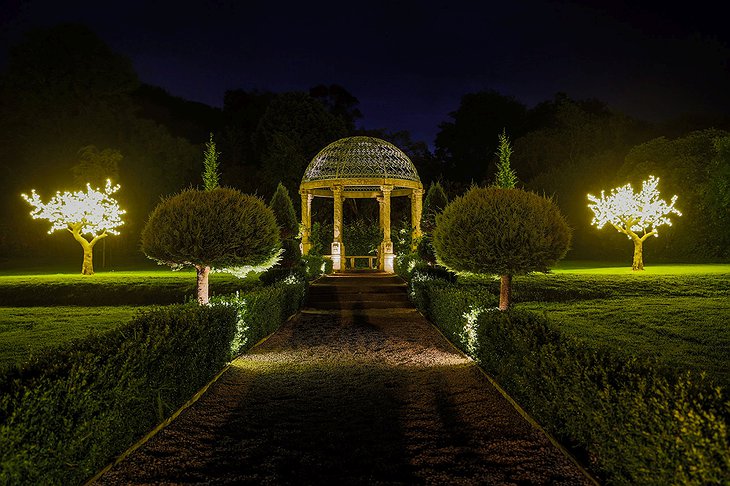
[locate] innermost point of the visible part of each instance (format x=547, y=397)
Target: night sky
x=409, y=62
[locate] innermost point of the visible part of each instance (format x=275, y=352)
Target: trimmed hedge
x=637, y=422
x=308, y=268
x=70, y=411
x=260, y=313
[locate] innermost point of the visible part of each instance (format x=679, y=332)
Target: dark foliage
x=339, y=102
x=468, y=142
x=293, y=129
x=219, y=228
x=433, y=204
x=500, y=231
x=696, y=168
x=190, y=120
x=64, y=89
x=281, y=205
x=425, y=250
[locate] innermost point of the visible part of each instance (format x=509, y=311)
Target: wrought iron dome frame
x=361, y=167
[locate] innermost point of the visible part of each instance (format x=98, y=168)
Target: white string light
x=93, y=212
x=633, y=213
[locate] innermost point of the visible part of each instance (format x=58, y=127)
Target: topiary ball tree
x=218, y=228
x=501, y=231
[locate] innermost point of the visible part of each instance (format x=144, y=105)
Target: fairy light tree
x=89, y=216
x=636, y=215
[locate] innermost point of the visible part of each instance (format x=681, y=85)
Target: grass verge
x=26, y=330
x=112, y=288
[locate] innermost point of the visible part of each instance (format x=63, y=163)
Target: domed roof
x=360, y=158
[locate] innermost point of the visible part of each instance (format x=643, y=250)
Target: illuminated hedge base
x=92, y=213
x=632, y=214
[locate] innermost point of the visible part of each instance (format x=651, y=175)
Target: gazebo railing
x=350, y=261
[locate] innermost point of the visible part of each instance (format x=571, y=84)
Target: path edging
x=184, y=407
x=517, y=406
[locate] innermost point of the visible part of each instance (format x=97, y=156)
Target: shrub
x=316, y=266
x=70, y=410
x=639, y=422
x=361, y=237
x=218, y=228
x=283, y=209
x=501, y=231
x=425, y=250
x=434, y=204
x=404, y=263
x=261, y=312
x=291, y=254
x=409, y=266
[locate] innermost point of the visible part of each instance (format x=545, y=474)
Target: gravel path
x=364, y=396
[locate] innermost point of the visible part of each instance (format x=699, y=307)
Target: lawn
x=111, y=288
x=25, y=330
x=48, y=309
x=676, y=313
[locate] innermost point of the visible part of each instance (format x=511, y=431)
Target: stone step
x=327, y=290
x=357, y=305
x=357, y=295
x=360, y=280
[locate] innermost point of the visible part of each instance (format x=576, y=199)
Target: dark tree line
x=72, y=110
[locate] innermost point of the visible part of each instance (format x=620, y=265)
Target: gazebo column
x=416, y=210
x=306, y=220
x=338, y=249
x=386, y=247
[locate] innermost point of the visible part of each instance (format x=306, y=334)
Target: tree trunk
x=87, y=268
x=202, y=283
x=505, y=289
x=638, y=263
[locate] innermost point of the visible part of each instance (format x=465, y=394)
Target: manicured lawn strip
x=112, y=288
x=25, y=330
x=618, y=268
x=678, y=317
x=573, y=285
x=684, y=332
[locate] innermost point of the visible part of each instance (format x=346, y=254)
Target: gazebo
x=360, y=167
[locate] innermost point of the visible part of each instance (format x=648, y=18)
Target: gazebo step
x=358, y=305
x=353, y=290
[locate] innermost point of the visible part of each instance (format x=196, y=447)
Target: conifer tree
x=211, y=175
x=506, y=176
x=283, y=208
x=434, y=203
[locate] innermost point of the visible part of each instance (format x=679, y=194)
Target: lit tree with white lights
x=636, y=215
x=89, y=216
